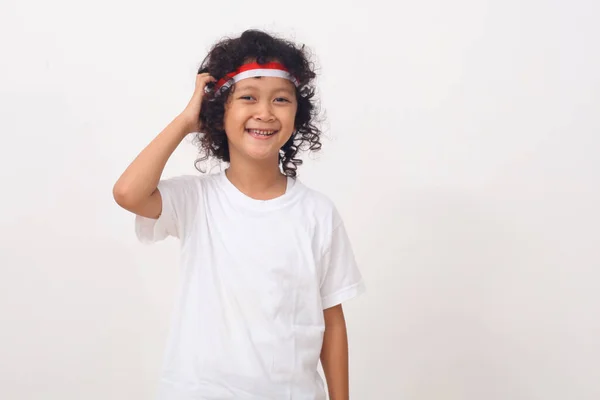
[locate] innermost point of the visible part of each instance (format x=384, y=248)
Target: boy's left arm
x=334, y=353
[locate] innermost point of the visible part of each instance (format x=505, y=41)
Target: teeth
x=262, y=133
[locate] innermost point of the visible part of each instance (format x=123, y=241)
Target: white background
x=461, y=148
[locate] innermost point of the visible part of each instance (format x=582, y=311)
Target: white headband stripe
x=277, y=73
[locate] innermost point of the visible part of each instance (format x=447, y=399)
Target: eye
x=245, y=97
x=282, y=99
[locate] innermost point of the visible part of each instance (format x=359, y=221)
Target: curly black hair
x=229, y=54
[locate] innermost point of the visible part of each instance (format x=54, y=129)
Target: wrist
x=187, y=125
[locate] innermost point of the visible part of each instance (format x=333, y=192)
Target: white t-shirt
x=256, y=276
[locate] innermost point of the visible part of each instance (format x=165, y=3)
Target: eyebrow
x=250, y=87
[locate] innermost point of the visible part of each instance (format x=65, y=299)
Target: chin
x=261, y=150
x=256, y=154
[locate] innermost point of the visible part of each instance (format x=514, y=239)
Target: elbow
x=121, y=195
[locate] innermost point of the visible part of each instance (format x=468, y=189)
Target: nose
x=263, y=111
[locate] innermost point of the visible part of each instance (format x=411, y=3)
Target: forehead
x=265, y=83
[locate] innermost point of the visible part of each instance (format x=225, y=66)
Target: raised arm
x=136, y=189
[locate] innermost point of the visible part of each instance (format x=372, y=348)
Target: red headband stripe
x=254, y=69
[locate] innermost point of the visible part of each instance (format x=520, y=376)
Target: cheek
x=288, y=118
x=233, y=117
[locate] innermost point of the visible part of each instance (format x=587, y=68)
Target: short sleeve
x=341, y=279
x=180, y=202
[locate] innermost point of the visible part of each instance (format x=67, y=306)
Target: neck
x=261, y=180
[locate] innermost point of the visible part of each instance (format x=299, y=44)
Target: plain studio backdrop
x=461, y=147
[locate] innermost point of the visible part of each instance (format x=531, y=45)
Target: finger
x=205, y=79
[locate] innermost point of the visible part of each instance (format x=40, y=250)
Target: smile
x=260, y=134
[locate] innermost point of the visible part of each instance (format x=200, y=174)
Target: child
x=265, y=261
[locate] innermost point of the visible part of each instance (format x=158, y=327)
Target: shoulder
x=321, y=205
x=185, y=189
x=187, y=181
x=315, y=197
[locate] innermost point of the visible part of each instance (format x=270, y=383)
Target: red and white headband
x=252, y=70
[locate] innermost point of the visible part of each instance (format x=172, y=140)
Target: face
x=259, y=117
